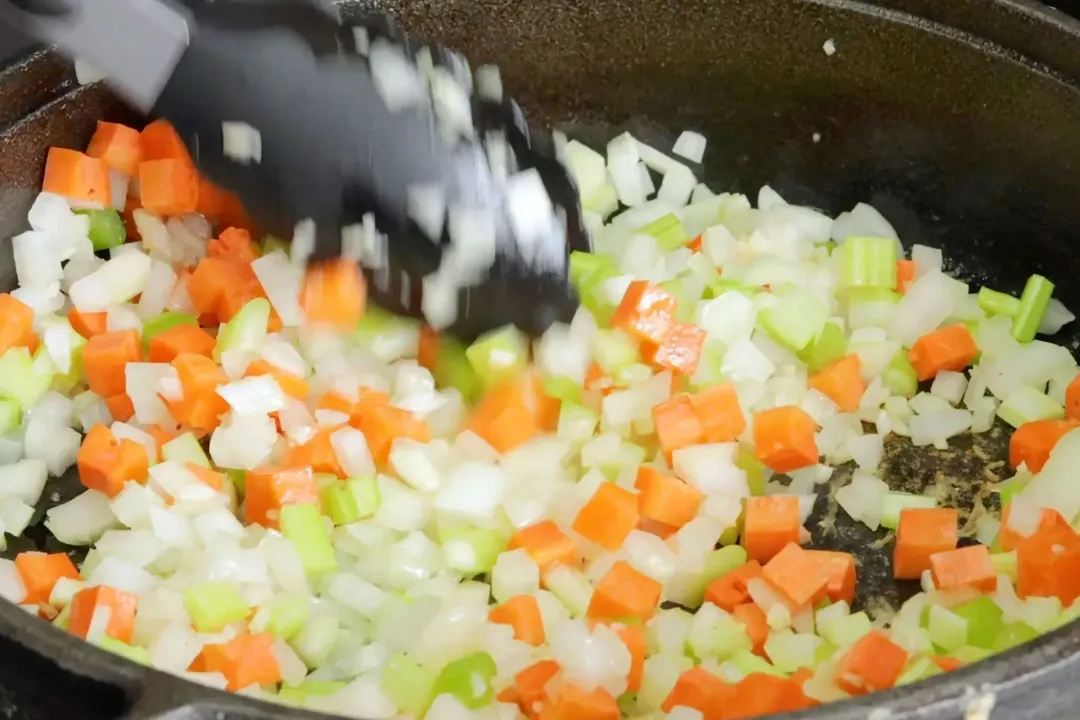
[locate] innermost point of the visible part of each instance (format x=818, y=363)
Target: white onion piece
x=690, y=145
x=82, y=520
x=1056, y=317
x=117, y=281
x=253, y=396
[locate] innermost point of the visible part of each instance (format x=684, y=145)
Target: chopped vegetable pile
x=299, y=498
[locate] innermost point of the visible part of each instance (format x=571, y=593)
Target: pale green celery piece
x=288, y=615
x=185, y=448
x=272, y=243
x=133, y=653
x=685, y=301
x=453, y=370
x=972, y=654
x=315, y=641
x=710, y=367
x=730, y=536
x=214, y=605
x=21, y=379
x=948, y=630
x=107, y=229
x=718, y=285
x=900, y=377
x=576, y=422
x=631, y=375
x=749, y=663
x=474, y=550
x=468, y=679
x=845, y=630
x=583, y=264
x=299, y=695
x=165, y=321
x=1005, y=563
x=591, y=291
x=375, y=322
x=720, y=636
x=824, y=652
x=408, y=685
x=238, y=480
x=993, y=302
x=303, y=525
x=61, y=620
x=1033, y=303
x=723, y=560
x=1014, y=634
x=66, y=383
x=1008, y=489
x=795, y=320
x=1026, y=404
x=499, y=355
x=339, y=504
x=365, y=490
x=669, y=233
x=828, y=346
x=918, y=669
x=562, y=389
x=868, y=262
x=246, y=330
x=897, y=502
x=614, y=349
x=746, y=461
x=10, y=416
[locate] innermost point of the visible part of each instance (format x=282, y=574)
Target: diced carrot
x=609, y=516
x=757, y=626
x=213, y=201
x=292, y=385
x=624, y=593
x=1032, y=442
x=796, y=576
x=118, y=145
x=160, y=141
x=77, y=177
x=334, y=293
x=546, y=544
x=922, y=533
x=119, y=604
x=784, y=438
x=679, y=351
x=128, y=216
x=1072, y=399
x=719, y=412
x=665, y=498
x=1009, y=539
x=105, y=463
x=268, y=490
x=966, y=567
x=509, y=695
x=947, y=664
x=841, y=382
x=947, y=348
x=761, y=694
x=646, y=312
x=233, y=244
x=1048, y=564
x=168, y=187
x=695, y=244
x=677, y=424
x=514, y=412
x=770, y=523
x=105, y=359
x=213, y=478
x=801, y=675
x=571, y=702
x=317, y=453
x=873, y=663
x=427, y=348
x=245, y=660
x=382, y=424
x=121, y=407
x=40, y=572
x=839, y=568
x=730, y=590
x=522, y=613
x=531, y=685
x=179, y=339
x=16, y=324
x=201, y=406
x=86, y=324
x=209, y=283
x=905, y=275
x=633, y=637
x=698, y=689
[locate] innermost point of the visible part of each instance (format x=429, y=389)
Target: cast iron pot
x=955, y=118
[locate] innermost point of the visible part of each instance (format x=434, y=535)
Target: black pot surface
x=957, y=120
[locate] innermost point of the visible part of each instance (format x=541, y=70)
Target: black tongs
x=352, y=139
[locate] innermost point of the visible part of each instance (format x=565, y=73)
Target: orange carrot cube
x=665, y=498
x=119, y=605
x=770, y=523
x=784, y=438
x=245, y=660
x=106, y=463
x=841, y=382
x=966, y=567
x=522, y=613
x=948, y=348
x=922, y=533
x=730, y=590
x=179, y=339
x=796, y=576
x=624, y=593
x=873, y=663
x=839, y=568
x=546, y=544
x=40, y=572
x=646, y=312
x=609, y=516
x=677, y=424
x=270, y=489
x=719, y=412
x=105, y=358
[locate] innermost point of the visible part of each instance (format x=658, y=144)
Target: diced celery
x=718, y=285
x=993, y=302
x=1026, y=404
x=824, y=652
x=61, y=620
x=896, y=502
x=583, y=264
x=614, y=349
x=948, y=630
x=299, y=695
x=918, y=669
x=214, y=605
x=591, y=290
x=577, y=423
x=315, y=641
x=106, y=228
x=365, y=490
x=790, y=651
x=796, y=318
x=749, y=663
x=1005, y=564
x=499, y=355
x=10, y=416
x=710, y=369
x=453, y=370
x=562, y=389
x=473, y=550
x=185, y=448
x=846, y=629
x=685, y=300
x=828, y=346
x=1014, y=634
x=339, y=503
x=165, y=321
x=407, y=684
x=132, y=652
x=67, y=382
x=21, y=379
x=272, y=243
x=1033, y=303
x=868, y=262
x=746, y=461
x=246, y=330
x=971, y=654
x=1008, y=489
x=303, y=525
x=723, y=560
x=669, y=233
x=899, y=377
x=715, y=633
x=376, y=322
x=871, y=307
x=468, y=679
x=288, y=615
x=237, y=478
